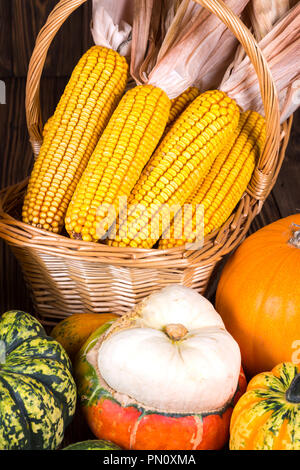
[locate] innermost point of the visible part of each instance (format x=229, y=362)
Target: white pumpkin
x=173, y=354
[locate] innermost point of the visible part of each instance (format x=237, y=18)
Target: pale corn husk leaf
x=281, y=48
x=263, y=15
x=188, y=47
x=226, y=53
x=184, y=18
x=215, y=67
x=260, y=18
x=152, y=19
x=112, y=24
x=170, y=8
x=145, y=36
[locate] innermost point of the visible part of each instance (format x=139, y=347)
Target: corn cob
x=189, y=148
x=71, y=135
x=125, y=147
x=223, y=187
x=180, y=101
x=47, y=126
x=179, y=104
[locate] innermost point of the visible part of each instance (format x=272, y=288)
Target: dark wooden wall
x=20, y=22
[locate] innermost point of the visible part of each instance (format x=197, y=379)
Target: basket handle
x=57, y=17
x=264, y=173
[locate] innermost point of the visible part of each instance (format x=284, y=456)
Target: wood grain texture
x=5, y=39
x=73, y=38
x=287, y=189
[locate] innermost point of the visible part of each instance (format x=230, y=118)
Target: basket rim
x=216, y=244
x=17, y=233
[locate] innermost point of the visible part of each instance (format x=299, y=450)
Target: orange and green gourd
x=93, y=444
x=37, y=390
x=267, y=416
x=73, y=331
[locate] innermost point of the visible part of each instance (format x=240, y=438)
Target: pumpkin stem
x=293, y=393
x=295, y=240
x=175, y=331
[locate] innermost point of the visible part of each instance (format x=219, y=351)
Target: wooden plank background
x=20, y=22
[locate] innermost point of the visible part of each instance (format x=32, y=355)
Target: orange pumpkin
x=258, y=296
x=73, y=331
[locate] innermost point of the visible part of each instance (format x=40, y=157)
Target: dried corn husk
x=146, y=34
x=112, y=24
x=281, y=48
x=187, y=49
x=263, y=15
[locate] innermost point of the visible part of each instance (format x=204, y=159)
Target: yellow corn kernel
x=221, y=190
x=175, y=169
x=125, y=147
x=179, y=104
x=71, y=135
x=47, y=126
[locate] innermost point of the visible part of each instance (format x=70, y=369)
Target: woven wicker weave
x=67, y=276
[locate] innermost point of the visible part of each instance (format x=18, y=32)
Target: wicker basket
x=67, y=276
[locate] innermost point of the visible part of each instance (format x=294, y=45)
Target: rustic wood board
x=28, y=17
x=5, y=39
